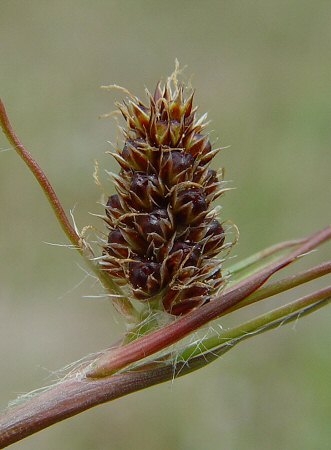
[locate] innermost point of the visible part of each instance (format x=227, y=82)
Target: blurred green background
x=262, y=70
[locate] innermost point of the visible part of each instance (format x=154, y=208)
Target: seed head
x=163, y=233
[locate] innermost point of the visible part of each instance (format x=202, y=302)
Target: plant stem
x=72, y=396
x=123, y=303
x=41, y=178
x=258, y=325
x=285, y=284
x=269, y=253
x=117, y=359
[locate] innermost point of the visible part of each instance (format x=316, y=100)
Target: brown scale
x=163, y=234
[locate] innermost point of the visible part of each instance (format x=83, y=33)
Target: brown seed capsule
x=176, y=167
x=190, y=206
x=145, y=276
x=114, y=208
x=155, y=223
x=145, y=192
x=184, y=255
x=117, y=244
x=215, y=238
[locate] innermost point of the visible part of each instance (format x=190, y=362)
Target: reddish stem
x=75, y=395
x=284, y=284
x=119, y=358
x=40, y=176
x=71, y=397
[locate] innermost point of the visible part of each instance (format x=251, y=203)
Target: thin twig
x=79, y=243
x=40, y=177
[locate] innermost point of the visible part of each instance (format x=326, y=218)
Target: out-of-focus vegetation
x=262, y=70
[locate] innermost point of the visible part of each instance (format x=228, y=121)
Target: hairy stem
x=73, y=396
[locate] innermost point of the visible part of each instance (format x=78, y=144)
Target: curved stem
x=40, y=177
x=123, y=303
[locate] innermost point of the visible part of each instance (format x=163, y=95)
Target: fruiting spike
x=163, y=233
